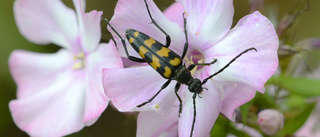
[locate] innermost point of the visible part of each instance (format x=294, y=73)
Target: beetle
x=167, y=63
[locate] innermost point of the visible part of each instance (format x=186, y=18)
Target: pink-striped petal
x=129, y=87
x=252, y=68
x=80, y=7
x=45, y=22
x=207, y=111
x=235, y=94
x=154, y=124
x=208, y=20
x=51, y=95
x=28, y=69
x=89, y=27
x=105, y=56
x=54, y=111
x=174, y=13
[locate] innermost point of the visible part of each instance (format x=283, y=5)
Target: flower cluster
x=60, y=93
x=210, y=38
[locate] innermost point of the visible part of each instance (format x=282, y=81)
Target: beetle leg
x=168, y=39
x=132, y=58
x=202, y=64
x=186, y=45
x=162, y=87
x=180, y=101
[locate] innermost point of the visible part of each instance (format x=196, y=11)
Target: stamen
x=198, y=57
x=157, y=106
x=185, y=13
x=79, y=61
x=189, y=62
x=77, y=65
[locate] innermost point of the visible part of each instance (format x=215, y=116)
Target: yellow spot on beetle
x=175, y=61
x=163, y=52
x=155, y=62
x=131, y=40
x=167, y=72
x=149, y=42
x=135, y=34
x=142, y=51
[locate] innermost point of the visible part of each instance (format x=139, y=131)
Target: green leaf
x=244, y=110
x=265, y=100
x=295, y=101
x=299, y=85
x=221, y=127
x=293, y=124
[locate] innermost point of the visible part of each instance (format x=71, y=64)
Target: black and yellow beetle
x=166, y=62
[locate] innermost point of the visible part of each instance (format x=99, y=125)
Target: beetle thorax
x=182, y=75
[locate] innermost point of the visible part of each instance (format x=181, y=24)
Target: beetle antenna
x=122, y=40
x=234, y=59
x=112, y=28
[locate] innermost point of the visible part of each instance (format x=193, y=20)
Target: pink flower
x=154, y=124
x=210, y=37
x=59, y=93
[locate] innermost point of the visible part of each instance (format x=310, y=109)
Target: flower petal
x=45, y=22
x=54, y=111
x=207, y=111
x=104, y=57
x=91, y=121
x=234, y=95
x=51, y=96
x=129, y=87
x=154, y=124
x=208, y=20
x=174, y=13
x=29, y=69
x=133, y=14
x=89, y=26
x=252, y=68
x=80, y=7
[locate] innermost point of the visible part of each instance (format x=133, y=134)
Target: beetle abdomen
x=160, y=58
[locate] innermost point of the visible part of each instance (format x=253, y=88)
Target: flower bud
x=270, y=121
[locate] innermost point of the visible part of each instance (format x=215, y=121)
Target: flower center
x=194, y=57
x=79, y=61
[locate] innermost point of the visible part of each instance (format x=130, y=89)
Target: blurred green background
x=113, y=123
